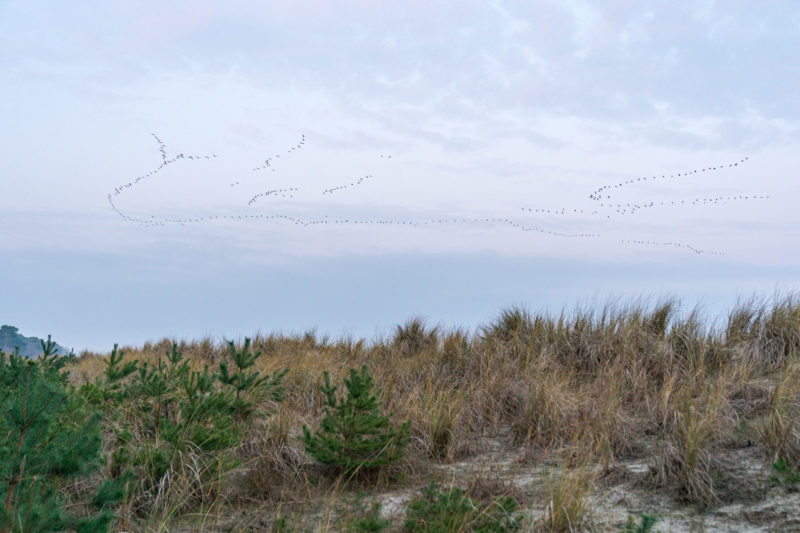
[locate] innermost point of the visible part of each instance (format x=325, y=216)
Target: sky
x=196, y=168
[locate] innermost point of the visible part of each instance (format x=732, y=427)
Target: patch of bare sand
x=750, y=503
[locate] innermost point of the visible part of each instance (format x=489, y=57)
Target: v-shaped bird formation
x=604, y=197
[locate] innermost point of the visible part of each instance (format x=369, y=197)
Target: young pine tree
x=249, y=387
x=47, y=435
x=354, y=435
x=164, y=412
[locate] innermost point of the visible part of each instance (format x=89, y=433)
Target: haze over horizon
x=189, y=168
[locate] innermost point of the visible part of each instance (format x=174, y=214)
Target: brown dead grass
x=621, y=378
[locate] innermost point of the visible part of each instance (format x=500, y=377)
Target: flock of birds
x=598, y=193
x=283, y=193
x=267, y=162
x=602, y=196
x=359, y=181
x=165, y=162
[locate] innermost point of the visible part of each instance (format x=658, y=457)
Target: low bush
x=645, y=525
x=452, y=510
x=354, y=436
x=784, y=475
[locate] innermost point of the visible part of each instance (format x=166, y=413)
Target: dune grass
x=583, y=390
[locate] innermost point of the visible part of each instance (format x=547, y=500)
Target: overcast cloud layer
x=443, y=151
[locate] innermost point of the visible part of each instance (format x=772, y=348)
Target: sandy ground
x=750, y=501
x=764, y=507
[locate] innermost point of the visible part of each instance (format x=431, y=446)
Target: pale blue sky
x=494, y=113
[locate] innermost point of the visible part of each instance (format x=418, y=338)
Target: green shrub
x=175, y=427
x=645, y=525
x=783, y=474
x=440, y=512
x=47, y=436
x=368, y=520
x=354, y=436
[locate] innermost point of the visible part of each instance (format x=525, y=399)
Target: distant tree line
x=11, y=340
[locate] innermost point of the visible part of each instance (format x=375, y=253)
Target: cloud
x=468, y=93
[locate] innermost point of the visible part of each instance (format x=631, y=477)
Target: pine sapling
x=248, y=385
x=354, y=435
x=49, y=435
x=166, y=412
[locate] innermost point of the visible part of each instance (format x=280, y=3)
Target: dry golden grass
x=698, y=424
x=566, y=493
x=626, y=378
x=779, y=431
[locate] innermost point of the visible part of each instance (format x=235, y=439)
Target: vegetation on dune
x=49, y=436
x=645, y=525
x=194, y=432
x=354, y=437
x=452, y=510
x=173, y=430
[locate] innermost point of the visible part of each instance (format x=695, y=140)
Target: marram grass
x=580, y=391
